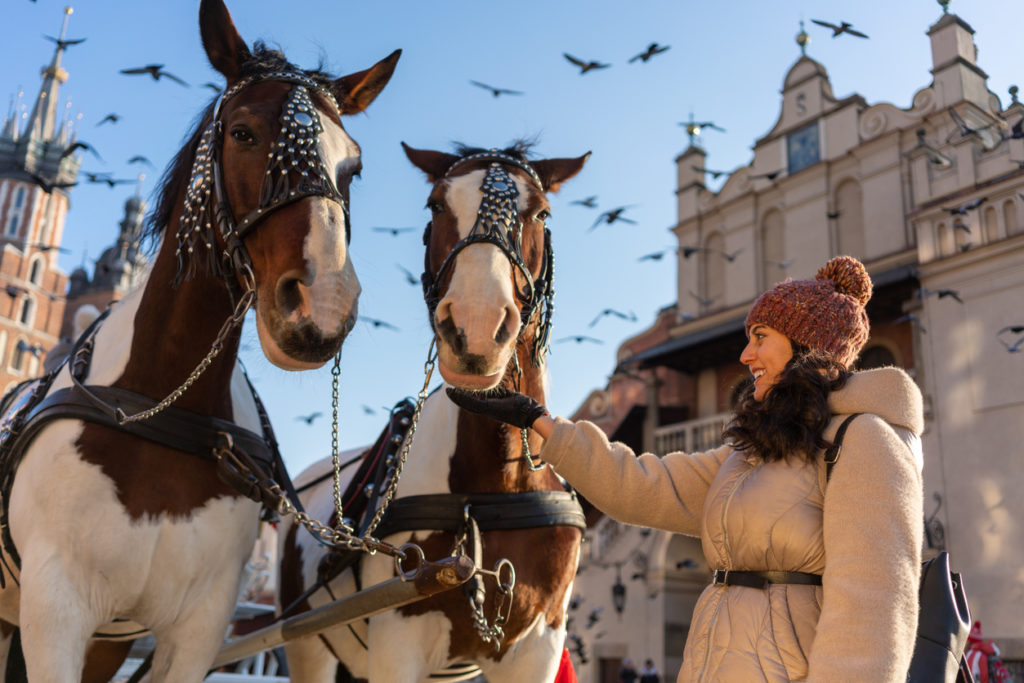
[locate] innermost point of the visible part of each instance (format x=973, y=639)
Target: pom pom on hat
x=825, y=314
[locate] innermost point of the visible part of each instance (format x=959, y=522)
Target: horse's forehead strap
x=495, y=155
x=287, y=76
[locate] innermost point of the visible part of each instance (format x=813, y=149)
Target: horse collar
x=295, y=151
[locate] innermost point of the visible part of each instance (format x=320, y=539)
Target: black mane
x=519, y=149
x=177, y=175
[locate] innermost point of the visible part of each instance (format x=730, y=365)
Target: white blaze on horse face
x=333, y=286
x=479, y=298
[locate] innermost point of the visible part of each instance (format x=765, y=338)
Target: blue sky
x=726, y=64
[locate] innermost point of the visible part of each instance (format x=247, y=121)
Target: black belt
x=728, y=577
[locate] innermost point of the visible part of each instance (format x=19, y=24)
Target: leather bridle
x=498, y=223
x=295, y=170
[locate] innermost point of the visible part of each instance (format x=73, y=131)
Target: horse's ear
x=554, y=172
x=355, y=91
x=434, y=164
x=224, y=47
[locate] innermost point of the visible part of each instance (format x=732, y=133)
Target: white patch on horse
x=325, y=249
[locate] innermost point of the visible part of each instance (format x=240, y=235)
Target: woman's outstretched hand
x=499, y=404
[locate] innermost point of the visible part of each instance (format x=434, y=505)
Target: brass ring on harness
x=403, y=554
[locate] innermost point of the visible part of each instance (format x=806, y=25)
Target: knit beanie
x=825, y=314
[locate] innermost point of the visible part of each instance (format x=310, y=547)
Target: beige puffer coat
x=862, y=533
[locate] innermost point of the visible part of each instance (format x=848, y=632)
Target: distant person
x=983, y=657
x=649, y=674
x=627, y=673
x=814, y=580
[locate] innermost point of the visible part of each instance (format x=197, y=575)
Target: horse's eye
x=435, y=206
x=543, y=215
x=243, y=135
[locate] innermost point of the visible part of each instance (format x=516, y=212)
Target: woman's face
x=766, y=354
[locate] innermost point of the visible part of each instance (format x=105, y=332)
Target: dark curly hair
x=790, y=418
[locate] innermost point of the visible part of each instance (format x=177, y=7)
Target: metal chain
x=494, y=633
x=236, y=318
x=335, y=375
x=525, y=449
x=389, y=494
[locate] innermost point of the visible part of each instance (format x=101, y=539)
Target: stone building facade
x=931, y=199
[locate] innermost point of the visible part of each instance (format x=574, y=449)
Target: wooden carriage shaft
x=434, y=578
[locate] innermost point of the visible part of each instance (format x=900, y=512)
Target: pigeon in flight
x=212, y=86
x=703, y=302
x=839, y=29
x=378, y=323
x=695, y=127
x=139, y=159
x=49, y=187
x=941, y=293
x=308, y=419
x=585, y=66
x=964, y=208
x=910, y=318
x=395, y=232
x=715, y=175
x=409, y=277
x=112, y=117
x=652, y=49
x=80, y=145
x=589, y=202
x=154, y=70
x=579, y=339
x=496, y=91
x=611, y=216
x=631, y=316
x=61, y=44
x=767, y=176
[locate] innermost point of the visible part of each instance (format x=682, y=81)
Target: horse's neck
x=173, y=329
x=506, y=469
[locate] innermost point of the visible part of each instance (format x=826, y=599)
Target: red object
x=566, y=674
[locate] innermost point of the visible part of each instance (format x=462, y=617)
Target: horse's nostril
x=288, y=294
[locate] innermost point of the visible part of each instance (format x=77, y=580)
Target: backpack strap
x=832, y=452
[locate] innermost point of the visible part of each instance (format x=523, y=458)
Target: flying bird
x=378, y=323
x=832, y=215
x=496, y=91
x=611, y=216
x=841, y=28
x=652, y=49
x=941, y=293
x=61, y=44
x=704, y=303
x=1015, y=347
x=585, y=66
x=782, y=264
x=1015, y=329
x=80, y=145
x=48, y=186
x=911, y=318
x=139, y=159
x=962, y=128
x=768, y=176
x=112, y=117
x=367, y=410
x=715, y=175
x=657, y=255
x=154, y=70
x=395, y=232
x=631, y=316
x=589, y=202
x=212, y=86
x=308, y=419
x=111, y=182
x=594, y=616
x=690, y=251
x=48, y=247
x=695, y=127
x=409, y=277
x=964, y=208
x=579, y=339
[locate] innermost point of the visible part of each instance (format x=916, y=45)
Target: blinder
x=294, y=152
x=498, y=223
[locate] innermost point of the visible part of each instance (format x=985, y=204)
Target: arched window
x=876, y=357
x=18, y=352
x=773, y=248
x=16, y=210
x=714, y=270
x=849, y=205
x=35, y=271
x=1010, y=218
x=28, y=310
x=990, y=224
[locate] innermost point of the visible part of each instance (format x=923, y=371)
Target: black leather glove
x=499, y=404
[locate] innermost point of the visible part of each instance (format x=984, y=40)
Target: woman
x=816, y=581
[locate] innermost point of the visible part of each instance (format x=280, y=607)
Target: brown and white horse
x=487, y=283
x=111, y=526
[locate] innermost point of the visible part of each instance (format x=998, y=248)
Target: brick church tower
x=38, y=166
